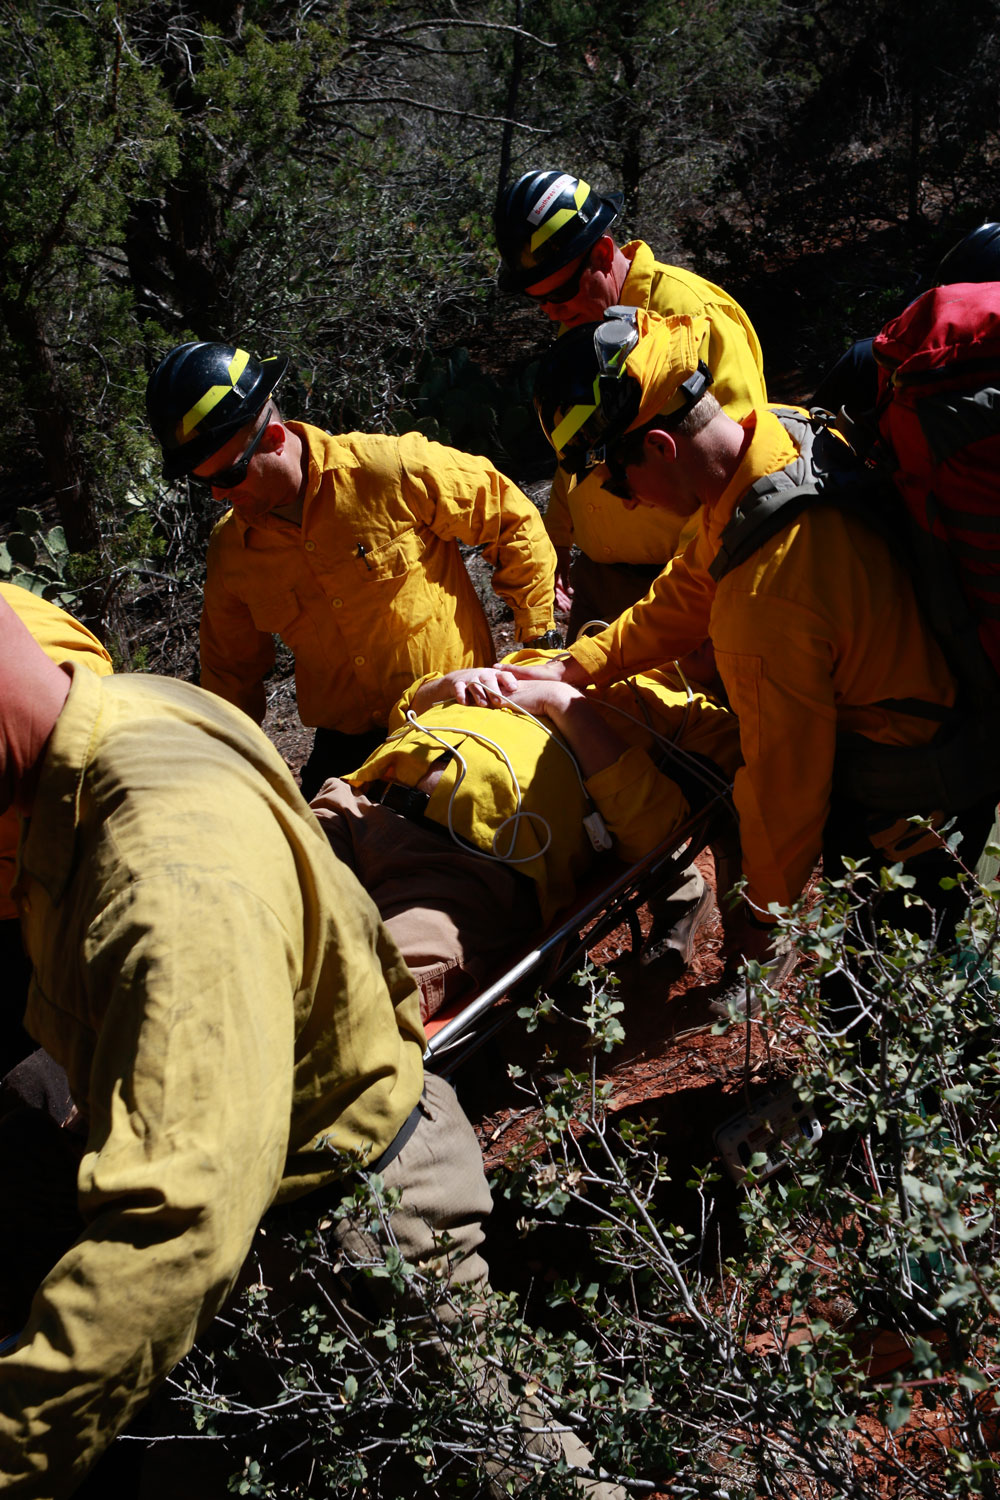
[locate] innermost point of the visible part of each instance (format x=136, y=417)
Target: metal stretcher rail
x=592, y=918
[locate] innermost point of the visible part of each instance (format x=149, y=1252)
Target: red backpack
x=938, y=417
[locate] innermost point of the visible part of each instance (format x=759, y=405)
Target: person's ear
x=274, y=437
x=602, y=254
x=659, y=442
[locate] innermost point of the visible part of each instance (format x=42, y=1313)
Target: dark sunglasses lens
x=565, y=291
x=228, y=479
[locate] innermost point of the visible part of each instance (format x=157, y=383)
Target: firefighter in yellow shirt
x=347, y=547
x=554, y=235
x=818, y=638
x=236, y=1029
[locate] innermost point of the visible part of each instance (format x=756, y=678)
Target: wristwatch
x=550, y=641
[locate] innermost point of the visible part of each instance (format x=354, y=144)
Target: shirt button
x=310, y=546
x=607, y=552
x=336, y=603
x=359, y=661
x=591, y=508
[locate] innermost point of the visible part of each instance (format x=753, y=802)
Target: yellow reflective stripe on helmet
x=215, y=393
x=574, y=420
x=560, y=217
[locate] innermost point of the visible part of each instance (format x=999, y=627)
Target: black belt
x=398, y=1141
x=408, y=800
x=412, y=805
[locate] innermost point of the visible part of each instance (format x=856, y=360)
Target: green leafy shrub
x=709, y=1340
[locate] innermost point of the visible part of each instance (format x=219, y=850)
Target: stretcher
x=610, y=901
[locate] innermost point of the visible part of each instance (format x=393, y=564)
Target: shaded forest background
x=318, y=177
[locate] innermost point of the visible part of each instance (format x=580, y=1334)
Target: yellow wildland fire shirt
x=232, y=1017
x=811, y=633
x=370, y=591
x=507, y=753
x=64, y=639
x=586, y=514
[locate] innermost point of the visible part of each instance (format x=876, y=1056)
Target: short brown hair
x=629, y=450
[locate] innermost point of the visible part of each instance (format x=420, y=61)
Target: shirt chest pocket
x=389, y=563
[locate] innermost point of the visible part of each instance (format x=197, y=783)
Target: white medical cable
x=718, y=785
x=508, y=859
x=518, y=708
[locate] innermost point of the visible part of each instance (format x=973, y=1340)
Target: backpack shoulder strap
x=824, y=468
x=750, y=527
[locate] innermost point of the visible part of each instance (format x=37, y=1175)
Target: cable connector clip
x=597, y=832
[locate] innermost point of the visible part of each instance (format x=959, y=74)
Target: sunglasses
x=566, y=290
x=228, y=479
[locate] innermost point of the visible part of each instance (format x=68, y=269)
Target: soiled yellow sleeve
x=190, y=1106
x=63, y=639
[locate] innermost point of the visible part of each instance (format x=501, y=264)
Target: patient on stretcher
x=491, y=798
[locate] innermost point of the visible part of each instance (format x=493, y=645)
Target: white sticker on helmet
x=564, y=183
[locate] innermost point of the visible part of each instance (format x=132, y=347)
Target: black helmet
x=585, y=397
x=974, y=258
x=546, y=220
x=199, y=395
x=602, y=380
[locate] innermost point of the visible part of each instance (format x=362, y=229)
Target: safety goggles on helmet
x=228, y=479
x=583, y=431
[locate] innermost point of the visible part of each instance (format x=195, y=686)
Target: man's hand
x=481, y=687
x=543, y=697
x=563, y=589
x=558, y=669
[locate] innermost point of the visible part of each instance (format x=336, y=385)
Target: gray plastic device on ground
x=765, y=1128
